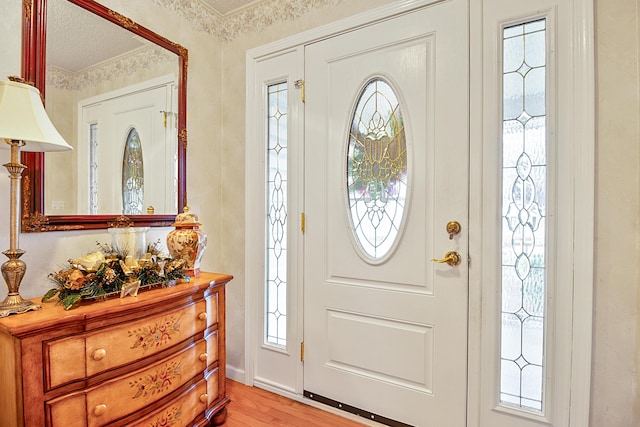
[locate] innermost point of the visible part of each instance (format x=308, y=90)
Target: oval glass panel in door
x=132, y=175
x=376, y=170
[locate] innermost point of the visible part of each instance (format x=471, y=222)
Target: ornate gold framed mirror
x=66, y=194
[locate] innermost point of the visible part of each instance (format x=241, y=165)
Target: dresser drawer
x=81, y=356
x=117, y=398
x=181, y=412
x=50, y=377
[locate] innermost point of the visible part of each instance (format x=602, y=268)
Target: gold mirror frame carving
x=34, y=34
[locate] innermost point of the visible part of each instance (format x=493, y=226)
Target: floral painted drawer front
x=157, y=333
x=181, y=412
x=117, y=398
x=124, y=343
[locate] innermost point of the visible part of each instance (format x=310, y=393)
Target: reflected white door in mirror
x=126, y=154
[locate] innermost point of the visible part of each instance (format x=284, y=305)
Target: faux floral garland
x=106, y=272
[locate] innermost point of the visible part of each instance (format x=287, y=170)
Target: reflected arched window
x=132, y=175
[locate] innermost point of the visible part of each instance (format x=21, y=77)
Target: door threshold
x=353, y=410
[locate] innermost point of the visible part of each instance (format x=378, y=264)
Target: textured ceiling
x=226, y=6
x=68, y=26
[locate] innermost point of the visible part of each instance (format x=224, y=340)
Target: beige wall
x=615, y=397
x=61, y=171
x=216, y=179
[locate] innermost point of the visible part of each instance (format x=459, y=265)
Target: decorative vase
x=187, y=241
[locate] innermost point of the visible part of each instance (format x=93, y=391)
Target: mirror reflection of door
x=122, y=134
x=88, y=56
x=132, y=175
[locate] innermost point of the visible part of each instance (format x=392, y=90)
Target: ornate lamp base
x=14, y=304
x=13, y=271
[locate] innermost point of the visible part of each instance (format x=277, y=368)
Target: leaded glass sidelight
x=276, y=256
x=132, y=175
x=93, y=168
x=376, y=169
x=524, y=183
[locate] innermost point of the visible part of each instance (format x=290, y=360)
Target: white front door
x=385, y=328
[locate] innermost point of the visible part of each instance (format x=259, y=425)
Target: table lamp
x=24, y=124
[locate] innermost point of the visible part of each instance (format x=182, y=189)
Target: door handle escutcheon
x=452, y=258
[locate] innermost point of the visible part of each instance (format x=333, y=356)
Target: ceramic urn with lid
x=187, y=241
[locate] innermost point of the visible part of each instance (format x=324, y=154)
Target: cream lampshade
x=24, y=124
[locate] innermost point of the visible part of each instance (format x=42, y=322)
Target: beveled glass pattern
x=524, y=183
x=276, y=256
x=132, y=175
x=93, y=168
x=376, y=169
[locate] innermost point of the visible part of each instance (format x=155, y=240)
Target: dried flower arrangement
x=107, y=272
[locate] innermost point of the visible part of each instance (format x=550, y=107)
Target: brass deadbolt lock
x=453, y=228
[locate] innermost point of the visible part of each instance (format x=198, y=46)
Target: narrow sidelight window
x=277, y=197
x=524, y=199
x=93, y=168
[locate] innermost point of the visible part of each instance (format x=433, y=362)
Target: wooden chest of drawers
x=157, y=359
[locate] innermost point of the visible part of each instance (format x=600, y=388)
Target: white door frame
x=578, y=177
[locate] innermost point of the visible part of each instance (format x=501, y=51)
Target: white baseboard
x=236, y=374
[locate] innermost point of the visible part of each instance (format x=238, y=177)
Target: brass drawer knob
x=99, y=410
x=99, y=354
x=202, y=316
x=203, y=357
x=204, y=398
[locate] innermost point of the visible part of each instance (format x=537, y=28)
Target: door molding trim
x=338, y=27
x=584, y=229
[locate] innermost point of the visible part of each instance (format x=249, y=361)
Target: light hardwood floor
x=254, y=407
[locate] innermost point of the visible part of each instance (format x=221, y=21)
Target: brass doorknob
x=452, y=258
